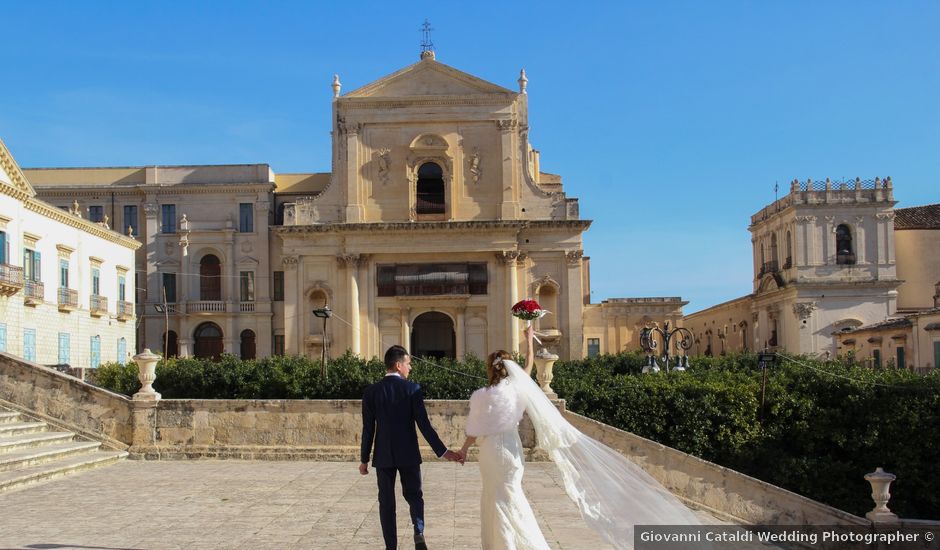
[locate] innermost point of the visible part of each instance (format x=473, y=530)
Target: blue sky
x=670, y=121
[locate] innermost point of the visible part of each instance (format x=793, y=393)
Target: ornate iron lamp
x=679, y=337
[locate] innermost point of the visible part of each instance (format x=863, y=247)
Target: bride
x=612, y=493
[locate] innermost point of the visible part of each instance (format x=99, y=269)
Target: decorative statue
x=385, y=161
x=475, y=170
x=75, y=209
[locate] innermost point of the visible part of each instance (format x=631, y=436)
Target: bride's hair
x=495, y=368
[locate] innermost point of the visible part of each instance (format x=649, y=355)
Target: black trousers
x=411, y=490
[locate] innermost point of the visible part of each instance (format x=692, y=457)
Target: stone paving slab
x=141, y=505
x=233, y=504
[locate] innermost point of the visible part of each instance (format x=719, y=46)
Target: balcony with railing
x=769, y=267
x=34, y=293
x=98, y=305
x=205, y=306
x=68, y=299
x=246, y=307
x=828, y=191
x=11, y=279
x=125, y=310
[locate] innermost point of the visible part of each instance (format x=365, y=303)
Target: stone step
x=47, y=453
x=16, y=428
x=18, y=479
x=30, y=440
x=9, y=417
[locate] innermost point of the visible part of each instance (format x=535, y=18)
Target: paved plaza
x=199, y=505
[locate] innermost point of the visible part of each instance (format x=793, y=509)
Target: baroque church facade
x=434, y=220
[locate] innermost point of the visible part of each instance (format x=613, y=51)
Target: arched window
x=789, y=261
x=430, y=191
x=248, y=344
x=210, y=278
x=845, y=253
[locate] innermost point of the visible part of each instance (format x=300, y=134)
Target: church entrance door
x=433, y=335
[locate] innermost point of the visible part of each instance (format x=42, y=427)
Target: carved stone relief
x=803, y=310
x=573, y=257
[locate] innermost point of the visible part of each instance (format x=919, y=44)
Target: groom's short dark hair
x=394, y=355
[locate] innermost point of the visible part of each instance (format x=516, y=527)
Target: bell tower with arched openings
x=824, y=261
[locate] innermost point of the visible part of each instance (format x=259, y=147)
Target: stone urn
x=146, y=373
x=544, y=362
x=880, y=483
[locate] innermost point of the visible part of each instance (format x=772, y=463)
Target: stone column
x=508, y=153
x=508, y=258
x=829, y=242
x=859, y=239
x=461, y=339
x=353, y=198
x=573, y=326
x=293, y=305
x=351, y=262
x=406, y=328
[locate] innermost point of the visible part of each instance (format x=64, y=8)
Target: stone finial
x=880, y=483
x=888, y=182
x=523, y=82
x=337, y=85
x=130, y=231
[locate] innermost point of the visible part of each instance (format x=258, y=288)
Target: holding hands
x=458, y=456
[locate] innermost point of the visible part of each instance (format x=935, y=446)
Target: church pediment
x=427, y=78
x=10, y=173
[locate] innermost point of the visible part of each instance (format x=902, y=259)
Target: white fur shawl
x=494, y=409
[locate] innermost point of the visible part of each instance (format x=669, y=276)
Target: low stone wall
x=65, y=401
x=331, y=430
x=729, y=494
x=281, y=429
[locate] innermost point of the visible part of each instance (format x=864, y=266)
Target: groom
x=390, y=410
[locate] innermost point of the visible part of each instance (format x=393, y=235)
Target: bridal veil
x=612, y=492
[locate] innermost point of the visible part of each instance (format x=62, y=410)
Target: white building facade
x=66, y=284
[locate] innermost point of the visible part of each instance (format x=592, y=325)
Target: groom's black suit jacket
x=390, y=410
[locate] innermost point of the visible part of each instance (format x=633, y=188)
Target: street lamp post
x=165, y=310
x=323, y=313
x=680, y=337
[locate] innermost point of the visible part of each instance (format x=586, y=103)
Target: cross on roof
x=426, y=44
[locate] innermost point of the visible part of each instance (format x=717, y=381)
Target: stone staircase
x=32, y=451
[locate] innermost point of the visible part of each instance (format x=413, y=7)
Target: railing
x=125, y=310
x=769, y=267
x=98, y=305
x=430, y=203
x=11, y=279
x=68, y=299
x=205, y=306
x=246, y=307
x=34, y=293
x=829, y=191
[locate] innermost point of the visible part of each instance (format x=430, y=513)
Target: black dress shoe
x=419, y=542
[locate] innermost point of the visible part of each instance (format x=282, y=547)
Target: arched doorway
x=248, y=344
x=433, y=335
x=208, y=338
x=210, y=278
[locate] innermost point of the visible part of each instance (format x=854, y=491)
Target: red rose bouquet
x=528, y=310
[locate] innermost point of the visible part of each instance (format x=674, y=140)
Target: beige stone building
x=433, y=221
x=66, y=282
x=912, y=339
x=830, y=260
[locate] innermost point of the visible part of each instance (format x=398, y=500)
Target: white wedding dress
x=612, y=493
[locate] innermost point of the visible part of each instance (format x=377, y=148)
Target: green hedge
x=825, y=424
